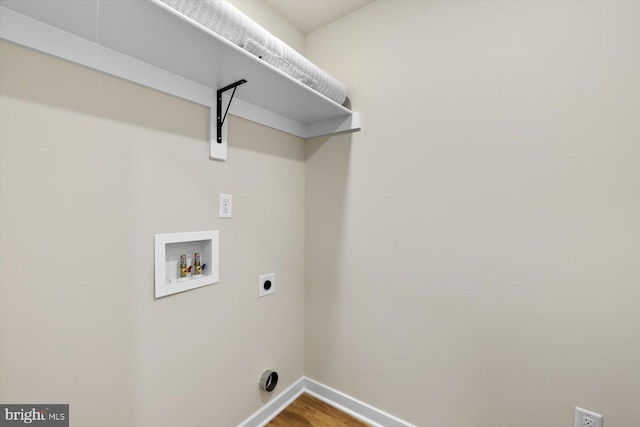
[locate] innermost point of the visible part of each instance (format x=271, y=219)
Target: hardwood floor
x=307, y=411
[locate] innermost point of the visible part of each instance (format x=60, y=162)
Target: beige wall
x=473, y=255
x=91, y=168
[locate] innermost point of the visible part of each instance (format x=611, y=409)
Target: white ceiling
x=309, y=15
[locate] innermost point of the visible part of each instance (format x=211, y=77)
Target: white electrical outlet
x=586, y=418
x=225, y=206
x=266, y=285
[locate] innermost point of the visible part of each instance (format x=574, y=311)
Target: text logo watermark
x=34, y=415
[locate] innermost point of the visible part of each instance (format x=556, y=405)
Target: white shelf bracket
x=217, y=151
x=218, y=147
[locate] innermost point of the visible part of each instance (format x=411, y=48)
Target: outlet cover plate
x=580, y=418
x=266, y=284
x=225, y=206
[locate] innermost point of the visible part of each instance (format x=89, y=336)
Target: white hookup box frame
x=169, y=248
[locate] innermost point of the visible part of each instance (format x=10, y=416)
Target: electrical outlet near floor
x=586, y=418
x=266, y=284
x=224, y=206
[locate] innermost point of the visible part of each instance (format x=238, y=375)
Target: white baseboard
x=347, y=404
x=269, y=411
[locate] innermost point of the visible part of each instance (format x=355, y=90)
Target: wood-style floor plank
x=307, y=411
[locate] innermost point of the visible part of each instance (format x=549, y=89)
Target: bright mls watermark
x=36, y=415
